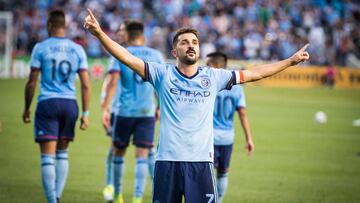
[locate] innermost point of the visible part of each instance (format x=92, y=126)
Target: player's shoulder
x=42, y=44
x=75, y=45
x=164, y=67
x=211, y=70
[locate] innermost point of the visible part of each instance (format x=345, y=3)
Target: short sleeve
x=154, y=73
x=35, y=60
x=225, y=79
x=242, y=99
x=114, y=65
x=83, y=63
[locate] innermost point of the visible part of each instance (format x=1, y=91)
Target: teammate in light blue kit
x=135, y=113
x=186, y=94
x=58, y=59
x=226, y=104
x=108, y=191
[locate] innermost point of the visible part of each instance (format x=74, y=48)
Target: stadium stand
x=256, y=29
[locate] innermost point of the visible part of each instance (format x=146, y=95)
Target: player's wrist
x=292, y=61
x=85, y=114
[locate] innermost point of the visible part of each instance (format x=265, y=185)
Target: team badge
x=205, y=83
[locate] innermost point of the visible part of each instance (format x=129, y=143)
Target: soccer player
x=108, y=191
x=186, y=94
x=58, y=59
x=226, y=103
x=136, y=112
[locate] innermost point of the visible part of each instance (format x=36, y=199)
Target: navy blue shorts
x=55, y=119
x=222, y=156
x=193, y=180
x=143, y=129
x=112, y=120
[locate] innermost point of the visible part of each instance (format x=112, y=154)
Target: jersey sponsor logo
x=190, y=96
x=188, y=93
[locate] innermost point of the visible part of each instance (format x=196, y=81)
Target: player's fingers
x=88, y=18
x=83, y=126
x=304, y=47
x=89, y=24
x=304, y=56
x=26, y=120
x=91, y=14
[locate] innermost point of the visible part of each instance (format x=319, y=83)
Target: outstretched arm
x=266, y=70
x=119, y=52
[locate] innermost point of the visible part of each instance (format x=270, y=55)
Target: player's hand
x=250, y=147
x=300, y=56
x=26, y=116
x=106, y=119
x=84, y=122
x=92, y=24
x=157, y=114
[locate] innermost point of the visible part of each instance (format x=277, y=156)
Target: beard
x=189, y=60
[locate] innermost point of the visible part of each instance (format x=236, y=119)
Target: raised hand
x=300, y=56
x=92, y=24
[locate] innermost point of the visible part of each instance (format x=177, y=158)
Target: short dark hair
x=57, y=19
x=217, y=55
x=184, y=30
x=134, y=29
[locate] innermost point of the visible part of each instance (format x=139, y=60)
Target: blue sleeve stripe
x=82, y=69
x=147, y=78
x=113, y=71
x=33, y=68
x=232, y=81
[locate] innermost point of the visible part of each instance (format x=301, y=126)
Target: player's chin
x=190, y=60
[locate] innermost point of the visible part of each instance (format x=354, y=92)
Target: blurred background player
x=58, y=59
x=136, y=112
x=108, y=191
x=186, y=94
x=226, y=103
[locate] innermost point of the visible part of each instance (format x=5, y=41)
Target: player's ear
x=48, y=26
x=174, y=53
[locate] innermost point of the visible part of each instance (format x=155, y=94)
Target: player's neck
x=58, y=33
x=136, y=42
x=188, y=70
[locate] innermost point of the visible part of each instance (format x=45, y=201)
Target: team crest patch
x=205, y=83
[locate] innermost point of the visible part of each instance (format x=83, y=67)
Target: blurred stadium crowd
x=244, y=29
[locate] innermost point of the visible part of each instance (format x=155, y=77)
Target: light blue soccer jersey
x=59, y=60
x=186, y=105
x=226, y=104
x=137, y=96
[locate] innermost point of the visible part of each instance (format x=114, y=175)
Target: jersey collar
x=188, y=77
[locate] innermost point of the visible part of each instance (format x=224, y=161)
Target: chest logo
x=205, y=83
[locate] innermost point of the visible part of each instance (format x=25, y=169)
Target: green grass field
x=295, y=159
